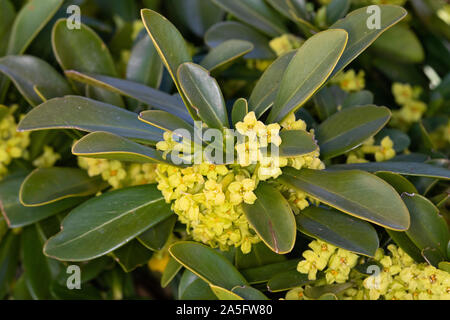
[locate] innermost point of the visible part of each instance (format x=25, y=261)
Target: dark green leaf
x=428, y=228
x=29, y=72
x=256, y=13
x=203, y=93
x=74, y=112
x=272, y=219
x=83, y=50
x=230, y=30
x=296, y=143
x=18, y=215
x=287, y=280
x=207, y=263
x=132, y=255
x=192, y=287
x=349, y=128
x=307, y=71
x=265, y=92
x=339, y=229
x=357, y=193
x=225, y=54
x=156, y=237
x=47, y=185
x=147, y=95
x=120, y=216
x=145, y=65
x=265, y=273
x=359, y=35
x=404, y=168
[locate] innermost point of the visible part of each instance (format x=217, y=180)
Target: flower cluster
x=441, y=136
x=403, y=279
x=119, y=174
x=385, y=151
x=400, y=278
x=335, y=262
x=350, y=81
x=207, y=197
x=13, y=144
x=411, y=109
x=285, y=43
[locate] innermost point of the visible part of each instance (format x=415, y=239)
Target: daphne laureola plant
x=255, y=167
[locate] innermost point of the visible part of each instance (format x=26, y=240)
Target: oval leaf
x=349, y=128
x=203, y=94
x=47, y=185
x=85, y=114
x=272, y=219
x=83, y=50
x=230, y=30
x=307, y=71
x=334, y=227
x=357, y=193
x=207, y=263
x=226, y=53
x=106, y=145
x=120, y=216
x=296, y=142
x=27, y=73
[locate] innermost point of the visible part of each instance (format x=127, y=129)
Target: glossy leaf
x=29, y=22
x=256, y=13
x=83, y=50
x=307, y=71
x=105, y=145
x=287, y=280
x=428, y=228
x=359, y=35
x=145, y=65
x=265, y=92
x=404, y=242
x=230, y=30
x=272, y=219
x=149, y=96
x=47, y=185
x=207, y=263
x=359, y=98
x=400, y=183
x=349, y=128
x=169, y=43
x=336, y=10
x=225, y=54
x=18, y=215
x=168, y=122
x=204, y=94
x=339, y=229
x=74, y=112
x=156, y=237
x=357, y=193
x=132, y=255
x=296, y=142
x=27, y=73
x=192, y=287
x=120, y=216
x=404, y=168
